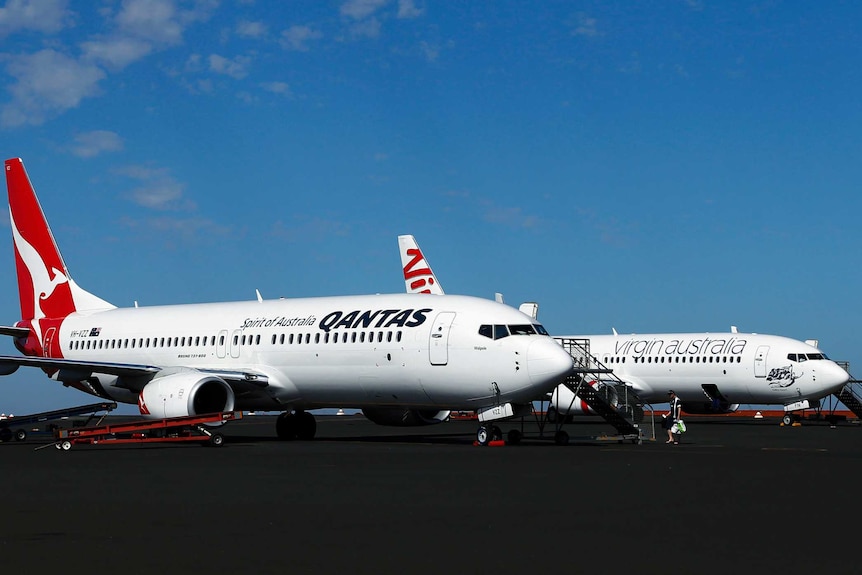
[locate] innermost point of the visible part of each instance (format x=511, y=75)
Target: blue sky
x=649, y=167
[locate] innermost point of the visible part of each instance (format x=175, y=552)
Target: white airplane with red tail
x=402, y=359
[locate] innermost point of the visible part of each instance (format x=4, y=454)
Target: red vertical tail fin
x=45, y=289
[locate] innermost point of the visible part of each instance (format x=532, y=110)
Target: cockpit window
x=804, y=356
x=525, y=329
x=501, y=331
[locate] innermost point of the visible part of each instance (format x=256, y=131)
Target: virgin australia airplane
x=710, y=372
x=403, y=359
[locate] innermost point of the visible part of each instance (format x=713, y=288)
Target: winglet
x=418, y=277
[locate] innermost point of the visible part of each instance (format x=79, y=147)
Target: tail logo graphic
x=43, y=281
x=424, y=275
x=142, y=406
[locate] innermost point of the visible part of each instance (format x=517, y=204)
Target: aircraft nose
x=548, y=363
x=832, y=377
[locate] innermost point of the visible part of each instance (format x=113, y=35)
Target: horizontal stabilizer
x=14, y=331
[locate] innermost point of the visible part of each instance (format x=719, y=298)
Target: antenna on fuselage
x=259, y=297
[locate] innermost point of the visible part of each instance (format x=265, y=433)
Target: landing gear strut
x=298, y=425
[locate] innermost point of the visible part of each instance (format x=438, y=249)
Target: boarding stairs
x=851, y=394
x=612, y=399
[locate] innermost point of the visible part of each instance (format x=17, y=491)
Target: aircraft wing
x=14, y=331
x=9, y=363
x=241, y=381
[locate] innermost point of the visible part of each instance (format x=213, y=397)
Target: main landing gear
x=487, y=434
x=296, y=425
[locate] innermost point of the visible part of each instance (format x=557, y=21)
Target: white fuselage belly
x=306, y=368
x=744, y=368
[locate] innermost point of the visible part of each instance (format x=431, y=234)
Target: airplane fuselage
x=399, y=350
x=740, y=368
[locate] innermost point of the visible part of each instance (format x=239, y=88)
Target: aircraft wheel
x=20, y=435
x=483, y=436
x=561, y=438
x=216, y=440
x=306, y=426
x=285, y=426
x=514, y=437
x=496, y=433
x=787, y=419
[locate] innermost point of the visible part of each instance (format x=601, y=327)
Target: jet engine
x=707, y=408
x=188, y=392
x=400, y=417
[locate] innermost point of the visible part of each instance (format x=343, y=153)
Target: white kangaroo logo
x=43, y=282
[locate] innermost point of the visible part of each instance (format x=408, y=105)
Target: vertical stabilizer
x=418, y=276
x=45, y=289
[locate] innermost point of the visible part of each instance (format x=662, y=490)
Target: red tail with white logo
x=46, y=292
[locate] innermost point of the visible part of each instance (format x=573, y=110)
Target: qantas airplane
x=710, y=372
x=402, y=359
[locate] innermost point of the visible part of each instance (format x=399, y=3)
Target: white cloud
x=116, y=53
x=248, y=29
x=158, y=190
x=89, y=144
x=141, y=27
x=298, y=37
x=359, y=9
x=368, y=28
x=407, y=9
x=154, y=20
x=276, y=87
x=47, y=83
x=236, y=68
x=46, y=16
x=585, y=26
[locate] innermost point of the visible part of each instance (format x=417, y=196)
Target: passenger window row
x=244, y=339
x=676, y=359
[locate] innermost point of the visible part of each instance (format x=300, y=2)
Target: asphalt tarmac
x=734, y=497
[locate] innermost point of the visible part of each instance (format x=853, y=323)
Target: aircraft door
x=221, y=344
x=438, y=347
x=760, y=360
x=235, y=339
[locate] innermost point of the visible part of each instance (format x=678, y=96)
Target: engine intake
x=186, y=393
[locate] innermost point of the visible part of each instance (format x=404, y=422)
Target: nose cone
x=547, y=363
x=831, y=377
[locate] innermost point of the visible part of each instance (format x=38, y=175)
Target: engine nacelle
x=565, y=402
x=400, y=417
x=188, y=392
x=707, y=408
